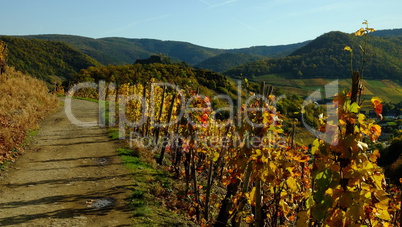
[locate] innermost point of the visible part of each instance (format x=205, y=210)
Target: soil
x=71, y=176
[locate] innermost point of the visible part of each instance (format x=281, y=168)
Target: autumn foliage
x=229, y=177
x=24, y=101
x=247, y=170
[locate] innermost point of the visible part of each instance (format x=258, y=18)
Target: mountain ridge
x=119, y=50
x=325, y=57
x=320, y=57
x=46, y=59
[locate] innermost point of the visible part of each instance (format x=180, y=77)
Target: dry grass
x=24, y=101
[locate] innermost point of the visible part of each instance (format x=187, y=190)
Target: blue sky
x=211, y=23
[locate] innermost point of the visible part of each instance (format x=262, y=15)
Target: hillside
x=270, y=51
x=119, y=51
x=388, y=33
x=227, y=61
x=185, y=77
x=234, y=57
x=43, y=59
x=387, y=90
x=324, y=57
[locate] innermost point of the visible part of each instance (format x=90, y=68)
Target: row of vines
x=245, y=169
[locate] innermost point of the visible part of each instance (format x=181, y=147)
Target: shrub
x=24, y=101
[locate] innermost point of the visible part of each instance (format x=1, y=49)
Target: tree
x=3, y=56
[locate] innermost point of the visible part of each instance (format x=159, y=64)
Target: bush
x=24, y=101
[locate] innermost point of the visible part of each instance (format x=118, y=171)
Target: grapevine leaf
x=355, y=212
x=285, y=206
x=323, y=179
x=291, y=183
x=216, y=156
x=360, y=32
x=373, y=157
x=252, y=196
x=249, y=219
x=348, y=48
x=316, y=145
x=302, y=220
x=383, y=214
x=321, y=207
x=309, y=202
x=376, y=104
x=361, y=118
x=354, y=108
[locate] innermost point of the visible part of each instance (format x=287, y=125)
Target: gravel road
x=71, y=176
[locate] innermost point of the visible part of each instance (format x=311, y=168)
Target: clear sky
x=211, y=23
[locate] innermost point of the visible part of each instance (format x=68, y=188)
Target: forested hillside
x=388, y=33
x=120, y=51
x=270, y=51
x=227, y=61
x=325, y=57
x=64, y=55
x=43, y=59
x=185, y=77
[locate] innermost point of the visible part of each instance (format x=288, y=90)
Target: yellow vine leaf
x=216, y=156
x=361, y=118
x=383, y=214
x=373, y=157
x=285, y=206
x=251, y=198
x=291, y=183
x=355, y=212
x=315, y=147
x=348, y=48
x=273, y=167
x=303, y=218
x=360, y=32
x=249, y=219
x=337, y=218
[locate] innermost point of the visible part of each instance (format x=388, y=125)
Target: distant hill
x=235, y=57
x=270, y=51
x=227, y=61
x=185, y=77
x=120, y=51
x=43, y=59
x=324, y=57
x=388, y=32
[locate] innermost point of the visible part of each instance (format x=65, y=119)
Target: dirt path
x=71, y=177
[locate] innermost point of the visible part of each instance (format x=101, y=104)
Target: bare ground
x=64, y=178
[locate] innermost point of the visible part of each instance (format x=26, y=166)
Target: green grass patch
x=148, y=191
x=391, y=123
x=86, y=99
x=388, y=91
x=375, y=83
x=33, y=133
x=113, y=133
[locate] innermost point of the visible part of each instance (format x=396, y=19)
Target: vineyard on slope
x=246, y=170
